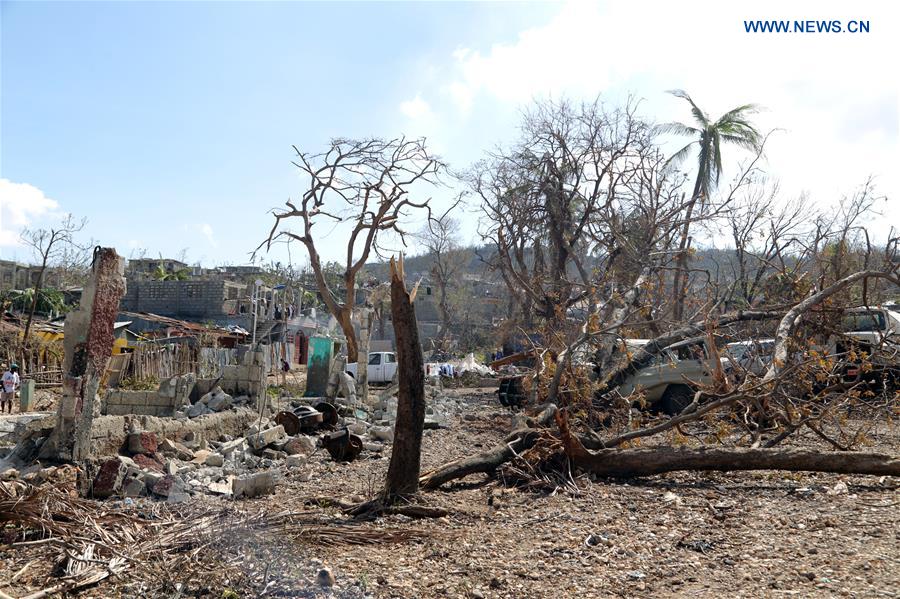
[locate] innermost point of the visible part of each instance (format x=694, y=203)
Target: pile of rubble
x=175, y=470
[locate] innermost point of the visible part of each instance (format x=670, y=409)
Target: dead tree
x=366, y=185
x=403, y=471
x=542, y=197
x=49, y=245
x=440, y=238
x=788, y=323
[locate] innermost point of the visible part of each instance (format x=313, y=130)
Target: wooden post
x=403, y=471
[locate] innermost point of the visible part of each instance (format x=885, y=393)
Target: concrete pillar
x=364, y=314
x=26, y=395
x=88, y=345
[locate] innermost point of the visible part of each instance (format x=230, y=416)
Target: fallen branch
x=488, y=461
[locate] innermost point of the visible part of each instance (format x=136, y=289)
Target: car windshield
x=862, y=322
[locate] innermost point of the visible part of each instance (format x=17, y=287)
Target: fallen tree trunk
x=645, y=462
x=488, y=461
x=656, y=460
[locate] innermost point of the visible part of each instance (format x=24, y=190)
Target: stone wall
x=247, y=378
x=149, y=403
x=173, y=393
x=110, y=433
x=192, y=298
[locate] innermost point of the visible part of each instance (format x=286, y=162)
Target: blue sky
x=169, y=125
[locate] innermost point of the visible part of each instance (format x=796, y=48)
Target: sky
x=169, y=125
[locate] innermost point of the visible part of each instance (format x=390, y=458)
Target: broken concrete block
x=273, y=454
x=295, y=461
x=166, y=446
x=147, y=462
x=109, y=479
x=197, y=410
x=150, y=478
x=221, y=488
x=134, y=487
x=266, y=437
x=382, y=433
x=168, y=485
x=299, y=445
x=142, y=442
x=215, y=460
x=220, y=402
x=253, y=485
x=230, y=446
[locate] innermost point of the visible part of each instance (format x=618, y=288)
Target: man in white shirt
x=10, y=385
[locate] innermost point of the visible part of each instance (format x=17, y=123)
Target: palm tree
x=161, y=274
x=733, y=127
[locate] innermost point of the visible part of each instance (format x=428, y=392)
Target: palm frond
x=679, y=156
x=699, y=115
x=739, y=112
x=676, y=129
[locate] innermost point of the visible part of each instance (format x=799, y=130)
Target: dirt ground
x=754, y=534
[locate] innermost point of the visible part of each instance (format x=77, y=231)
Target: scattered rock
x=110, y=478
x=168, y=485
x=299, y=445
x=266, y=437
x=253, y=485
x=295, y=461
x=382, y=433
x=325, y=577
x=134, y=487
x=142, y=442
x=148, y=462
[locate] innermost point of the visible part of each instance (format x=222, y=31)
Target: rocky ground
x=706, y=535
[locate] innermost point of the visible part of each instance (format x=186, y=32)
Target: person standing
x=10, y=386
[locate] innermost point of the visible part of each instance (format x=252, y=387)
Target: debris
x=382, y=433
x=142, y=442
x=325, y=577
x=253, y=485
x=168, y=485
x=266, y=437
x=840, y=488
x=299, y=445
x=295, y=461
x=343, y=445
x=109, y=479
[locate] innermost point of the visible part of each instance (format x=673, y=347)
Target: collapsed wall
x=109, y=434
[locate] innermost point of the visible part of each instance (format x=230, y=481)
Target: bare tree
x=542, y=196
x=365, y=184
x=50, y=246
x=440, y=238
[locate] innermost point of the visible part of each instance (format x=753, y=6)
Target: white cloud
x=20, y=205
x=416, y=109
x=833, y=94
x=207, y=232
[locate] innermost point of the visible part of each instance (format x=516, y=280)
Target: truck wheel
x=676, y=398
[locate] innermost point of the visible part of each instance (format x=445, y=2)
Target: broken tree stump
x=403, y=471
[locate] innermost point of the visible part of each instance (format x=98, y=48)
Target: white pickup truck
x=381, y=368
